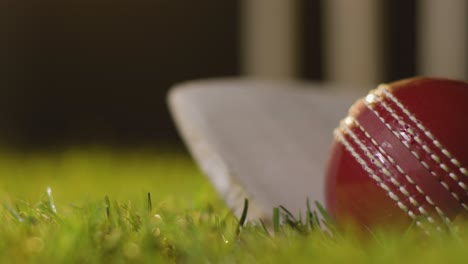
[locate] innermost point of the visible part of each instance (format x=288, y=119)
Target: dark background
x=97, y=71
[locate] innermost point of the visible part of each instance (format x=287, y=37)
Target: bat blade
x=264, y=141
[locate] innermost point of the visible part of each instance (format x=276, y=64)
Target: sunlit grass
x=154, y=206
x=81, y=174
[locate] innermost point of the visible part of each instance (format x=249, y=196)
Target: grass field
x=98, y=211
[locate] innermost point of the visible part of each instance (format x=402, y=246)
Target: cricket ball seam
x=398, y=185
x=373, y=175
x=436, y=142
x=376, y=98
x=384, y=171
x=429, y=157
x=445, y=185
x=418, y=125
x=401, y=149
x=431, y=185
x=442, y=182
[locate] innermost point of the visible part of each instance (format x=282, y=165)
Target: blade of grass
x=276, y=220
x=327, y=219
x=14, y=213
x=264, y=227
x=313, y=221
x=150, y=204
x=243, y=216
x=51, y=200
x=108, y=205
x=288, y=214
x=118, y=214
x=323, y=212
x=316, y=221
x=410, y=228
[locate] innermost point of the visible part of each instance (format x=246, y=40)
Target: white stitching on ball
x=365, y=166
x=388, y=94
x=402, y=189
x=417, y=139
x=382, y=169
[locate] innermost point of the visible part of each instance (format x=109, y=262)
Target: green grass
x=99, y=211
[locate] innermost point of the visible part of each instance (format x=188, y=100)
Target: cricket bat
x=264, y=141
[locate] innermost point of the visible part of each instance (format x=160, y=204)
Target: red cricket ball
x=401, y=155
